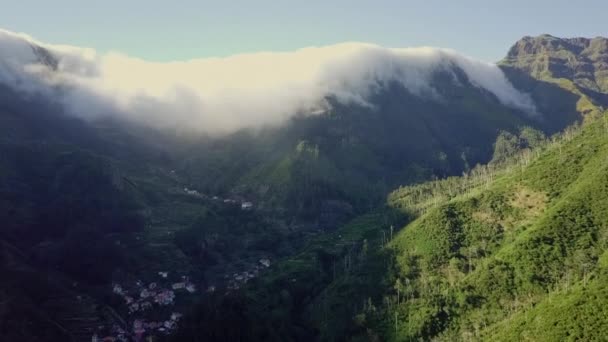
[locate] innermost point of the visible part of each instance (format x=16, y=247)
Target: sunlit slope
x=479, y=265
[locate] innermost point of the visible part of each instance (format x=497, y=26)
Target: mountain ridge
x=583, y=60
x=271, y=87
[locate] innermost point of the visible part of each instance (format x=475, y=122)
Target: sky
x=166, y=31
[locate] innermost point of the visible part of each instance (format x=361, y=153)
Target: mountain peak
x=583, y=60
x=546, y=43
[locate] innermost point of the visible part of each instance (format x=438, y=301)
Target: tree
x=506, y=146
x=531, y=138
x=399, y=288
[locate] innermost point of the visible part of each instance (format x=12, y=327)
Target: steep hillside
x=542, y=65
x=582, y=60
x=504, y=255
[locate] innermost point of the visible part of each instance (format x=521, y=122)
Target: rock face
x=582, y=60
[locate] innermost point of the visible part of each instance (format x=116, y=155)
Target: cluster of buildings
x=236, y=280
x=140, y=330
x=245, y=205
x=143, y=297
x=192, y=192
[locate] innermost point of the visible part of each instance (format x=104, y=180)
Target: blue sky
x=164, y=31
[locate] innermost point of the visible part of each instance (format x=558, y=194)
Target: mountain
x=581, y=60
x=103, y=194
x=354, y=153
x=404, y=115
x=578, y=65
x=513, y=249
x=415, y=136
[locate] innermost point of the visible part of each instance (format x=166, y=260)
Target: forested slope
x=512, y=257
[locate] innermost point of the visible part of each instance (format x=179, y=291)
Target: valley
x=442, y=212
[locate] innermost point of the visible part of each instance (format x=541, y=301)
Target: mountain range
x=380, y=194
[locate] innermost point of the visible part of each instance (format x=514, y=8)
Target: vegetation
x=500, y=263
x=305, y=290
x=495, y=229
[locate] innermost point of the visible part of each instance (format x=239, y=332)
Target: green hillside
x=515, y=254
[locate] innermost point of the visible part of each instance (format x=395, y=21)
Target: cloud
x=220, y=95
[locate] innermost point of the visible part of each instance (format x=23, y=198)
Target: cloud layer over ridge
x=221, y=95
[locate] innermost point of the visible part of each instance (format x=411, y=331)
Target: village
x=236, y=280
x=151, y=309
x=145, y=304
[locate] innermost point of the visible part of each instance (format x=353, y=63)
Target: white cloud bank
x=218, y=95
